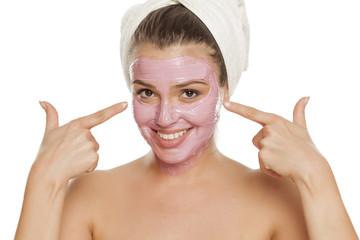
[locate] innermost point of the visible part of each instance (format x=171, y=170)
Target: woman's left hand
x=285, y=148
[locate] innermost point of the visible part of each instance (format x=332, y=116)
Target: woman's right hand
x=70, y=150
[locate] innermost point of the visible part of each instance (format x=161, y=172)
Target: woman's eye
x=190, y=93
x=145, y=93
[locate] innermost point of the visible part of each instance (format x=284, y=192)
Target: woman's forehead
x=178, y=69
x=196, y=50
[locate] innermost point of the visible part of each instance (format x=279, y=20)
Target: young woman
x=184, y=188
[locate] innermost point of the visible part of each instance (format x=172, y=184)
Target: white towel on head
x=226, y=20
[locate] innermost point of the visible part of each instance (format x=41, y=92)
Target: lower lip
x=171, y=143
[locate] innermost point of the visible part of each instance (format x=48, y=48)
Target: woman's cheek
x=143, y=114
x=205, y=112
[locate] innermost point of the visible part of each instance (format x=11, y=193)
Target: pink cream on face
x=195, y=121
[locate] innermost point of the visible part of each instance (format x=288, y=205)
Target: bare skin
x=217, y=198
x=225, y=201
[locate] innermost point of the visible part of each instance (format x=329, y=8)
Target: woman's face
x=176, y=99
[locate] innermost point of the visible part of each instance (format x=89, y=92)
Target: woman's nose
x=166, y=114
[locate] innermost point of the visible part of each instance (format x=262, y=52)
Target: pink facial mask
x=187, y=128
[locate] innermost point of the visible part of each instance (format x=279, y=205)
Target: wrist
x=41, y=176
x=42, y=206
x=317, y=177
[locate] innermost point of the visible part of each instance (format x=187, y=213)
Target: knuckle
x=97, y=146
x=96, y=161
x=93, y=164
x=267, y=129
x=89, y=146
x=262, y=143
x=251, y=112
x=94, y=146
x=85, y=135
x=254, y=141
x=262, y=165
x=94, y=158
x=263, y=155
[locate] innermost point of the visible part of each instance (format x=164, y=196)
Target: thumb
x=52, y=119
x=299, y=111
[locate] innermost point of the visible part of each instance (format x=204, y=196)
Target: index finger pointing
x=250, y=113
x=101, y=116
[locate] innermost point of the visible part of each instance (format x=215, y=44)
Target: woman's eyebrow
x=189, y=83
x=144, y=84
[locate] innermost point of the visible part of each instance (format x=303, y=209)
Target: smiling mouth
x=172, y=136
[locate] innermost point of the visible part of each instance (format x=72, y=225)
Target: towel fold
x=226, y=20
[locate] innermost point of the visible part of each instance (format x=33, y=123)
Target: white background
x=67, y=53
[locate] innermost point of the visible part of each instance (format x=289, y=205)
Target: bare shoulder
x=94, y=188
x=269, y=207
x=91, y=195
x=283, y=204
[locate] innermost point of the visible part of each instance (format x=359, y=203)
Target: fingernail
x=43, y=105
x=306, y=100
x=124, y=104
x=227, y=104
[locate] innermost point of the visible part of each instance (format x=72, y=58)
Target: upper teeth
x=172, y=135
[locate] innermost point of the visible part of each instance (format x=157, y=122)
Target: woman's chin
x=175, y=166
x=171, y=159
